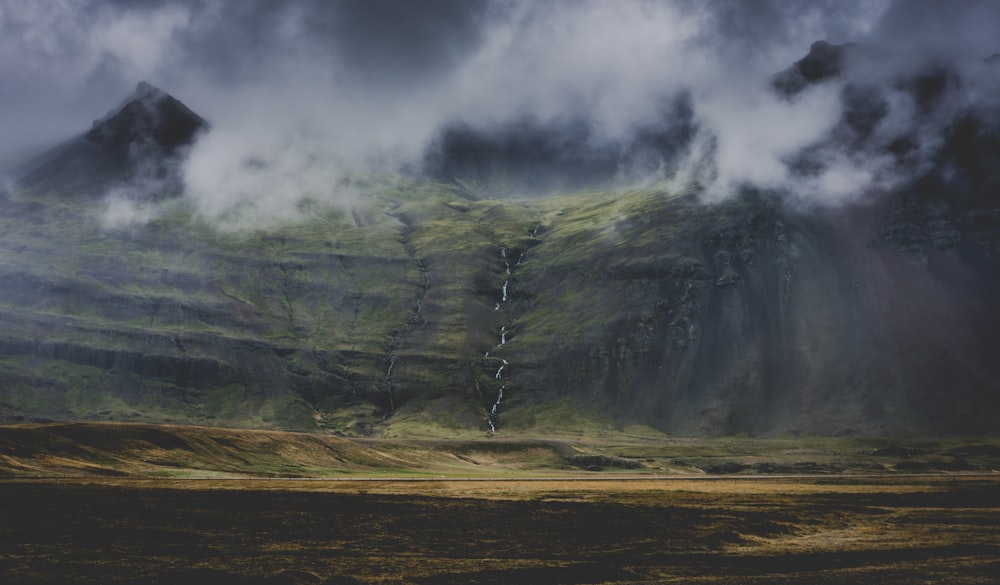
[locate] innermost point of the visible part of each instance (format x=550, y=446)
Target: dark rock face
x=824, y=61
x=150, y=120
x=140, y=143
x=956, y=201
x=790, y=324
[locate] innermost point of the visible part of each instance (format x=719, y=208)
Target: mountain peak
x=144, y=91
x=145, y=134
x=150, y=117
x=824, y=61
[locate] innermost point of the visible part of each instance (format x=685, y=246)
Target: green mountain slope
x=647, y=307
x=423, y=309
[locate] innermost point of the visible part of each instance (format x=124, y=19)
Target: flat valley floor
x=912, y=529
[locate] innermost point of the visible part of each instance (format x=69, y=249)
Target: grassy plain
x=131, y=503
x=877, y=530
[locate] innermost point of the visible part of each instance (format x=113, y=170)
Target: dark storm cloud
x=762, y=28
x=395, y=43
x=919, y=69
x=307, y=89
x=375, y=42
x=64, y=61
x=968, y=29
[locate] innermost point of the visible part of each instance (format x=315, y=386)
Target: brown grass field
x=522, y=525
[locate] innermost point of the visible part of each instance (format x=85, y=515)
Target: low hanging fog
x=302, y=94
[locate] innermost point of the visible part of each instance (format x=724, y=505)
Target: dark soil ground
x=943, y=529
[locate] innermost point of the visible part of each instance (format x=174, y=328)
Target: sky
x=313, y=87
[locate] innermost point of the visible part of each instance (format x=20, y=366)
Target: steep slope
x=424, y=308
x=747, y=317
x=740, y=317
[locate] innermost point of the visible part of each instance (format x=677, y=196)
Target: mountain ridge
x=429, y=308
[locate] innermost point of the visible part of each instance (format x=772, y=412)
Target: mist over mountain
x=553, y=216
x=307, y=93
x=136, y=148
x=149, y=124
x=531, y=157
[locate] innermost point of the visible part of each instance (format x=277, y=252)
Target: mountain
x=143, y=139
x=437, y=306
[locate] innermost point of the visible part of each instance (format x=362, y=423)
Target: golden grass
x=135, y=503
x=143, y=450
x=875, y=530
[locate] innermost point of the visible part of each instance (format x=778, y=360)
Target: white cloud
x=291, y=113
x=611, y=61
x=139, y=43
x=756, y=133
x=122, y=211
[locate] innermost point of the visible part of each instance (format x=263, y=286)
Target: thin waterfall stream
x=505, y=294
x=388, y=382
x=412, y=321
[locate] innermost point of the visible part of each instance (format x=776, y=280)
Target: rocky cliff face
x=434, y=303
x=750, y=318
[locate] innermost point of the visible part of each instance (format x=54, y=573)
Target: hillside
x=98, y=450
x=740, y=317
x=419, y=307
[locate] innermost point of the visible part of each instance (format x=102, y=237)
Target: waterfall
x=497, y=403
x=419, y=305
x=388, y=381
x=505, y=296
x=415, y=315
x=505, y=364
x=506, y=263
